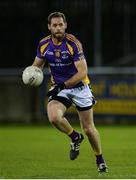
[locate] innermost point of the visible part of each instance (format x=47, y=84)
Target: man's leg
x=56, y=117
x=87, y=123
x=56, y=112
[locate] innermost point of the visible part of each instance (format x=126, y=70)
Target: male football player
x=64, y=55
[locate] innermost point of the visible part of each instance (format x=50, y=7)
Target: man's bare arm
x=80, y=75
x=38, y=62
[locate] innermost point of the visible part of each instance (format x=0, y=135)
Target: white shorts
x=81, y=97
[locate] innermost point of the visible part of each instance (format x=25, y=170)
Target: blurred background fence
x=106, y=29
x=114, y=89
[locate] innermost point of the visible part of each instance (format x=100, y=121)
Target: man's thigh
x=86, y=118
x=55, y=107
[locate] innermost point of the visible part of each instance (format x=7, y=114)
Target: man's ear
x=49, y=27
x=66, y=25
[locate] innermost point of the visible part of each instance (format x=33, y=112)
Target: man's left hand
x=58, y=87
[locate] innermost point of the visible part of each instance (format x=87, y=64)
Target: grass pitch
x=43, y=152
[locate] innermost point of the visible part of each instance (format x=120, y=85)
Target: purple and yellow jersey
x=61, y=58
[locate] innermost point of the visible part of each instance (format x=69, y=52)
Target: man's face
x=57, y=27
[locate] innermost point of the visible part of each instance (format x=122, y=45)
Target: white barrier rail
x=91, y=70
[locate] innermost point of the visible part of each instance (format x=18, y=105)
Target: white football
x=32, y=76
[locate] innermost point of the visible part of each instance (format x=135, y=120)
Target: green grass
x=43, y=152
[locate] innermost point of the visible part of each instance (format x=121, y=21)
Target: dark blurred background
x=107, y=31
x=105, y=27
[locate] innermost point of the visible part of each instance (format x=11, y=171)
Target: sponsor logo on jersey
x=49, y=52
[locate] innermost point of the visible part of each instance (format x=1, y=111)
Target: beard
x=58, y=36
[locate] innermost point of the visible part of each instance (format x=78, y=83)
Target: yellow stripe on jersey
x=86, y=80
x=42, y=48
x=73, y=39
x=47, y=37
x=52, y=81
x=70, y=48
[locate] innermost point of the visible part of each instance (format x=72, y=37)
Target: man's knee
x=53, y=118
x=54, y=113
x=89, y=131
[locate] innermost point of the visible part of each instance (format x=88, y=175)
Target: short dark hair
x=55, y=15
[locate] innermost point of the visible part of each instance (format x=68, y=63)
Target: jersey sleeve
x=78, y=51
x=39, y=54
x=42, y=48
